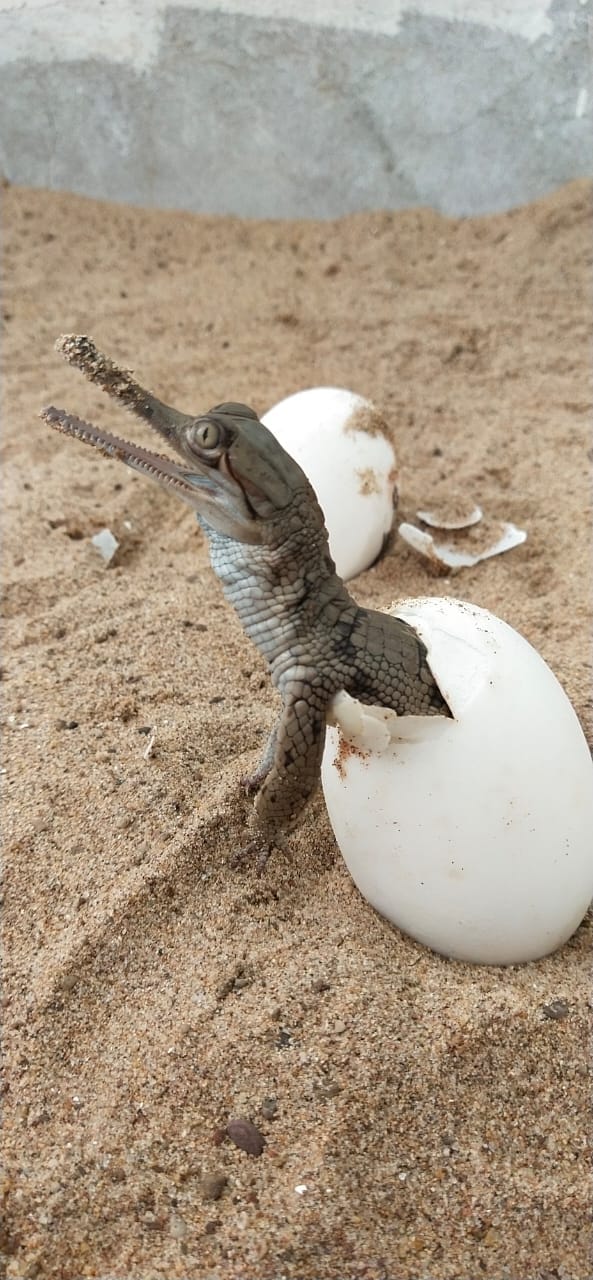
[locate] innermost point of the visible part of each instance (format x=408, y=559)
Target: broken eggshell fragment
x=454, y=511
x=342, y=443
x=484, y=539
x=473, y=835
x=106, y=544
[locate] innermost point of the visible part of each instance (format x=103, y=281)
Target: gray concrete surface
x=466, y=105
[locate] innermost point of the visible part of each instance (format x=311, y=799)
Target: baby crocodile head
x=234, y=472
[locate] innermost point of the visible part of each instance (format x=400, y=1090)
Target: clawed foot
x=253, y=781
x=256, y=854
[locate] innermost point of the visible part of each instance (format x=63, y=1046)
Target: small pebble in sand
x=177, y=1227
x=212, y=1185
x=319, y=985
x=245, y=1135
x=68, y=981
x=269, y=1108
x=555, y=1010
x=328, y=1089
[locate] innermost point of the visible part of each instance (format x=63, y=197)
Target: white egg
x=474, y=835
x=342, y=443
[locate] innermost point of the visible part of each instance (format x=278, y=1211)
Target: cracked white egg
x=474, y=834
x=342, y=443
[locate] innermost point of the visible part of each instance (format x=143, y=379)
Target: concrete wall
x=465, y=105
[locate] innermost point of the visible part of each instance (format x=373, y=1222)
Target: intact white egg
x=342, y=443
x=474, y=835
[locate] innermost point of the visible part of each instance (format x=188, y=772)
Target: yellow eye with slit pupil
x=206, y=434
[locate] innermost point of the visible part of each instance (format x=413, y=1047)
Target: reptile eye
x=206, y=434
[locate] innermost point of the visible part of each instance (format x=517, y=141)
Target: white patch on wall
x=581, y=106
x=128, y=31
x=528, y=18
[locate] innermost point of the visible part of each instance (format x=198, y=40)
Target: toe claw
x=251, y=783
x=255, y=854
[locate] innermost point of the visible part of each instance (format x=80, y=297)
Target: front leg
x=292, y=776
x=391, y=667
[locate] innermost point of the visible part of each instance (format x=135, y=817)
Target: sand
x=422, y=1118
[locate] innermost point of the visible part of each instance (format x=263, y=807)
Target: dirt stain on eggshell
x=344, y=753
x=367, y=418
x=369, y=481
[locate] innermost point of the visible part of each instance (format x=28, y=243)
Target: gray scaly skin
x=269, y=547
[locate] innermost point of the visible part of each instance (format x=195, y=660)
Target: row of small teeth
x=69, y=426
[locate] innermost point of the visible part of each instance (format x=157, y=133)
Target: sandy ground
x=422, y=1118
